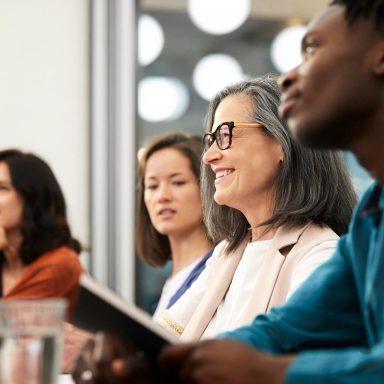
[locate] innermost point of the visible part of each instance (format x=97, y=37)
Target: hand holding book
x=127, y=341
x=106, y=359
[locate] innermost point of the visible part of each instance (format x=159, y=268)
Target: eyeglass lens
x=222, y=135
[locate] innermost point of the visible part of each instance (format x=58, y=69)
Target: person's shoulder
x=314, y=238
x=63, y=257
x=51, y=274
x=320, y=232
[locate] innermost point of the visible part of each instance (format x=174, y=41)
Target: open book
x=100, y=309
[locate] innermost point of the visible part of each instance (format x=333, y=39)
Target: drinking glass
x=31, y=338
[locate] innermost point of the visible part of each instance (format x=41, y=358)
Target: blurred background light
x=285, y=49
x=151, y=39
x=162, y=99
x=214, y=72
x=218, y=17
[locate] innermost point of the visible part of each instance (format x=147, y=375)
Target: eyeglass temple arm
x=247, y=125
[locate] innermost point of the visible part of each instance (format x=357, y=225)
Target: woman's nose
x=211, y=154
x=164, y=193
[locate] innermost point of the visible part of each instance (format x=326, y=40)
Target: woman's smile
x=221, y=174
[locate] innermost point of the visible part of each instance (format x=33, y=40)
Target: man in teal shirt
x=336, y=321
x=332, y=328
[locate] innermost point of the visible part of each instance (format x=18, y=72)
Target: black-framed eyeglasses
x=223, y=134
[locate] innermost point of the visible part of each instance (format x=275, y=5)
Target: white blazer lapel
x=219, y=283
x=269, y=272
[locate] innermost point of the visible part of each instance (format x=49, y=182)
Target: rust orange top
x=54, y=274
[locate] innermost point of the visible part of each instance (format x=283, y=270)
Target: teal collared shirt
x=335, y=321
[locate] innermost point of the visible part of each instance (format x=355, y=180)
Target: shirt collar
x=375, y=203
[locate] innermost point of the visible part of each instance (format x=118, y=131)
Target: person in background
x=169, y=215
x=38, y=254
x=332, y=329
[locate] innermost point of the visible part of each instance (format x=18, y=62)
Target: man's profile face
x=326, y=97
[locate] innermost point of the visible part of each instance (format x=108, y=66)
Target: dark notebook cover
x=100, y=309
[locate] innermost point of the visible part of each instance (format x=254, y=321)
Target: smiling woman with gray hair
x=276, y=208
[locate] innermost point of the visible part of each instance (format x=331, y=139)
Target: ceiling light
x=213, y=72
x=151, y=39
x=218, y=16
x=162, y=99
x=286, y=48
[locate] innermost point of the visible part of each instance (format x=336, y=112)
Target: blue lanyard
x=190, y=279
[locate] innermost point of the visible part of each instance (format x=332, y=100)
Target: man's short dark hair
x=364, y=9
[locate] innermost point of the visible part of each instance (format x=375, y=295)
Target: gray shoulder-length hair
x=312, y=185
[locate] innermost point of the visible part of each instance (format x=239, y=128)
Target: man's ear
x=378, y=59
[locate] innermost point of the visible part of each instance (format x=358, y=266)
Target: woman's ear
x=281, y=154
x=378, y=59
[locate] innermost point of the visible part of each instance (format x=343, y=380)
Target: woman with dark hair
x=276, y=208
x=38, y=255
x=169, y=215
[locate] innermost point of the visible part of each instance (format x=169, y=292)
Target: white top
x=171, y=286
x=229, y=313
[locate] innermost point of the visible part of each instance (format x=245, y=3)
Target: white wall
x=44, y=92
